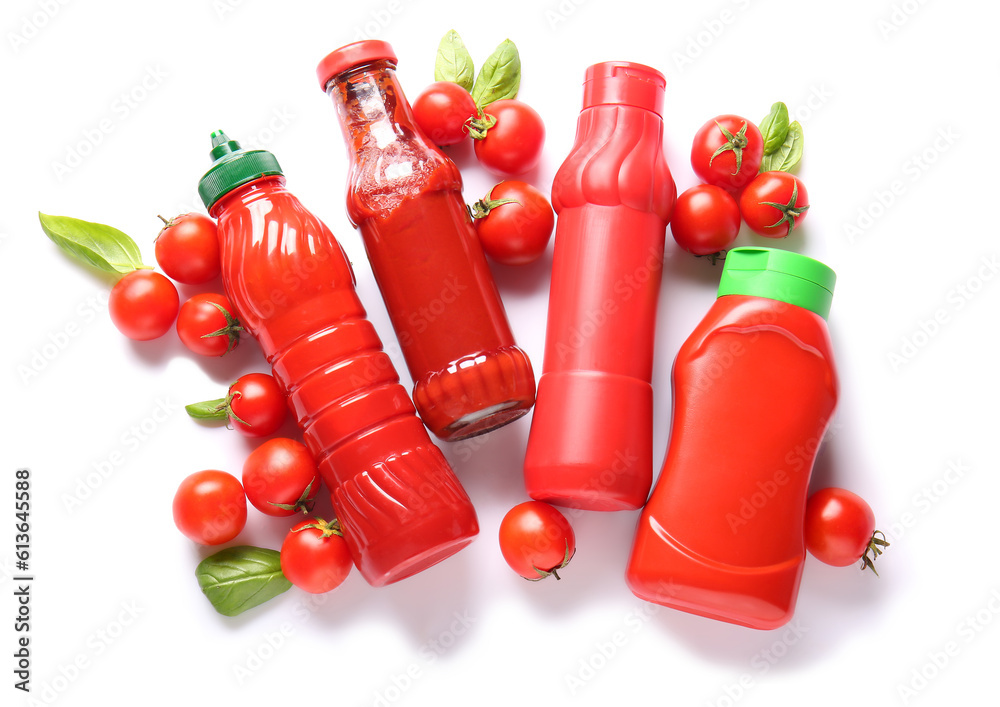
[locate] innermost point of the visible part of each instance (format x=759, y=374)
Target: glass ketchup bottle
x=405, y=196
x=754, y=388
x=591, y=439
x=401, y=506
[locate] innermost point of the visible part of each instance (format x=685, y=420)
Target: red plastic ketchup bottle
x=591, y=440
x=401, y=505
x=754, y=387
x=405, y=196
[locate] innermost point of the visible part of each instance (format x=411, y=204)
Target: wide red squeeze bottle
x=401, y=505
x=405, y=196
x=591, y=440
x=754, y=388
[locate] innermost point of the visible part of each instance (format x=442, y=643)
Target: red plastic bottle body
x=288, y=278
x=754, y=388
x=405, y=197
x=590, y=444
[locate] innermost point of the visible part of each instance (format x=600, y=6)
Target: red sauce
x=401, y=505
x=754, y=388
x=404, y=195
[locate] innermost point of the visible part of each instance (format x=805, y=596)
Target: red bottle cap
x=351, y=55
x=624, y=83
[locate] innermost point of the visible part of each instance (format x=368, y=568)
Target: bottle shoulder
x=617, y=159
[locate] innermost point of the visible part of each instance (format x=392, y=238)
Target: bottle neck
x=371, y=105
x=244, y=194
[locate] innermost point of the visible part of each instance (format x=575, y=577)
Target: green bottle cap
x=780, y=275
x=232, y=166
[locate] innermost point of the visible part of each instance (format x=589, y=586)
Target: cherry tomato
x=210, y=507
x=442, y=110
x=314, y=556
x=143, y=305
x=207, y=326
x=774, y=203
x=536, y=540
x=840, y=529
x=706, y=220
x=187, y=248
x=514, y=222
x=727, y=152
x=256, y=405
x=280, y=477
x=514, y=144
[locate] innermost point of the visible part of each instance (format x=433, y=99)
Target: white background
x=898, y=104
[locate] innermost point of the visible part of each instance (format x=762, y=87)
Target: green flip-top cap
x=232, y=166
x=780, y=275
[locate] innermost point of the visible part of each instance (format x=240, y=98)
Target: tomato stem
x=232, y=328
x=736, y=143
x=875, y=546
x=789, y=211
x=479, y=125
x=327, y=528
x=303, y=505
x=483, y=207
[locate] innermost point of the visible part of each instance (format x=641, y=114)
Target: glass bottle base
x=476, y=394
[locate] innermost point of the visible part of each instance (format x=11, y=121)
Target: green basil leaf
x=774, y=128
x=788, y=155
x=240, y=578
x=209, y=410
x=101, y=246
x=454, y=63
x=500, y=76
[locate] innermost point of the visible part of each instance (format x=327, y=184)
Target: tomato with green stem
x=207, y=326
x=727, y=151
x=315, y=556
x=255, y=406
x=840, y=529
x=210, y=507
x=509, y=136
x=280, y=478
x=774, y=204
x=187, y=248
x=143, y=305
x=443, y=110
x=514, y=222
x=536, y=540
x=705, y=220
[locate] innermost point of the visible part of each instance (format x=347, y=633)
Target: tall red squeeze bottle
x=405, y=197
x=401, y=505
x=591, y=439
x=754, y=387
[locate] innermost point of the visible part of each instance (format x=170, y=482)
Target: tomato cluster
x=514, y=221
x=727, y=155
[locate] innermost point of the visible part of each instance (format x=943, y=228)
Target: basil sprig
x=782, y=140
x=499, y=77
x=454, y=63
x=239, y=578
x=103, y=247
